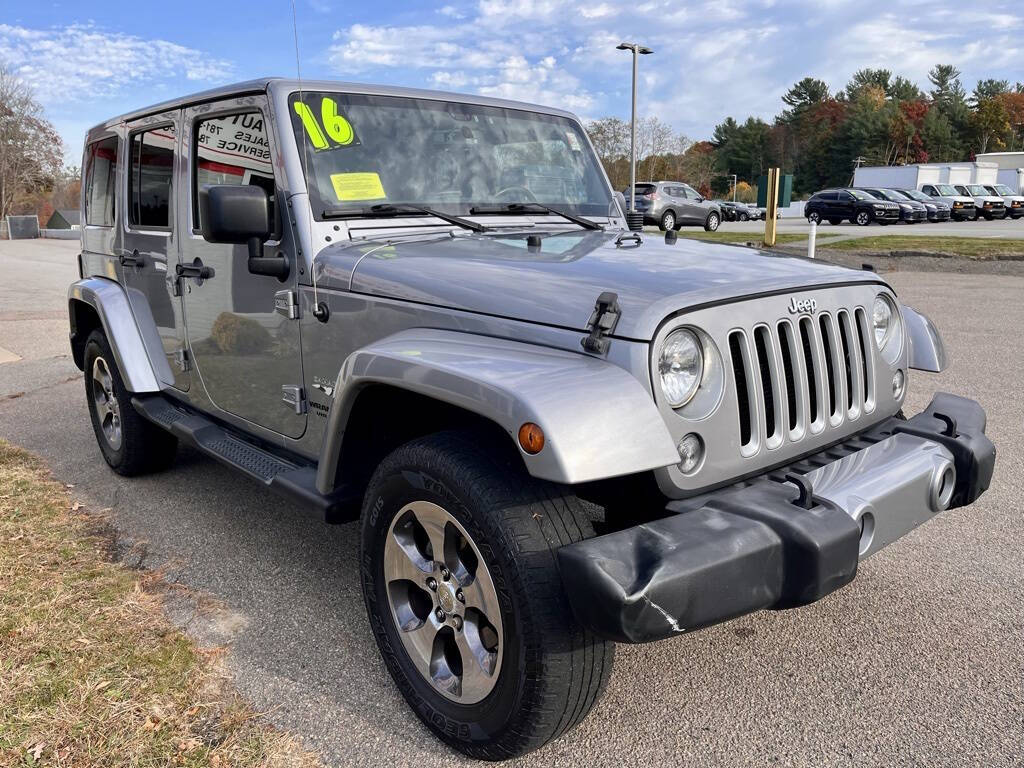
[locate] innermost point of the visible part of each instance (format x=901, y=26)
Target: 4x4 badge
x=799, y=306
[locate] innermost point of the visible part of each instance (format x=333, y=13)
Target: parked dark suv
x=911, y=211
x=834, y=205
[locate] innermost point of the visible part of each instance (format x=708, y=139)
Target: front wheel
x=668, y=221
x=462, y=589
x=814, y=217
x=862, y=219
x=744, y=217
x=711, y=222
x=129, y=444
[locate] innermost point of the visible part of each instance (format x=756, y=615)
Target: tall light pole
x=637, y=50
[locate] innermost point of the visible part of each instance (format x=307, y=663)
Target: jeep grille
x=800, y=376
x=794, y=378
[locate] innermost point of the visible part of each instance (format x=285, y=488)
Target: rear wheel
x=464, y=597
x=712, y=221
x=668, y=221
x=130, y=444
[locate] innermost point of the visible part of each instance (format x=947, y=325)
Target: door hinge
x=174, y=282
x=602, y=323
x=287, y=303
x=183, y=360
x=293, y=396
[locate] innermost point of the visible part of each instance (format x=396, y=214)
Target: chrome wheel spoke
x=403, y=561
x=479, y=665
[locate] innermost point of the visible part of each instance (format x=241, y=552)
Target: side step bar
x=293, y=480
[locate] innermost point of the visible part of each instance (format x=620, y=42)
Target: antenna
x=320, y=310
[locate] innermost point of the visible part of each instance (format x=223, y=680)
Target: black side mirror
x=231, y=213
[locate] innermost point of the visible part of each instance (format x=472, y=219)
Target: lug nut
x=457, y=623
x=432, y=584
x=445, y=574
x=459, y=596
x=439, y=613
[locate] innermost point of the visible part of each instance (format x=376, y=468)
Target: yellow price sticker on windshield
x=357, y=186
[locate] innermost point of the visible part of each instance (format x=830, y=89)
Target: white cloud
x=712, y=58
x=82, y=62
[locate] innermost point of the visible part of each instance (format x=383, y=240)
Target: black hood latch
x=602, y=323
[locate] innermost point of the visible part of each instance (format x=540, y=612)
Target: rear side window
x=100, y=180
x=232, y=149
x=150, y=181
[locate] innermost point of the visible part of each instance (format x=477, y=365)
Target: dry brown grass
x=91, y=671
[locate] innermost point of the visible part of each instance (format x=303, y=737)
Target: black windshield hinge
x=602, y=323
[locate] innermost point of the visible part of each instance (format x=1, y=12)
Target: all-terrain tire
x=141, y=446
x=553, y=670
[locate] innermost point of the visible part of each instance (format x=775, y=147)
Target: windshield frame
x=1008, y=193
x=948, y=190
x=319, y=205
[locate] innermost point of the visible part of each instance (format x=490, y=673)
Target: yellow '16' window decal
x=331, y=130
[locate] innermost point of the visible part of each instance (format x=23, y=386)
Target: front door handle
x=133, y=260
x=195, y=269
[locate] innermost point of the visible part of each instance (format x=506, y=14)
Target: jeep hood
x=558, y=283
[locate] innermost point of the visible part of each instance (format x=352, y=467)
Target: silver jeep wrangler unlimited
x=423, y=311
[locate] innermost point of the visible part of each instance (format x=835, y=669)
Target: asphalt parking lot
x=918, y=662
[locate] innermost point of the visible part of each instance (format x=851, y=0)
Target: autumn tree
x=30, y=148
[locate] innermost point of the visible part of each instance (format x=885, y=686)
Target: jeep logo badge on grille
x=799, y=306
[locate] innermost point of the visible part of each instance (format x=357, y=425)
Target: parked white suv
x=1014, y=203
x=961, y=207
x=988, y=205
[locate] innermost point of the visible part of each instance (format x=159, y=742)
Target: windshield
x=977, y=189
x=1002, y=189
x=861, y=195
x=891, y=194
x=916, y=195
x=946, y=189
x=366, y=150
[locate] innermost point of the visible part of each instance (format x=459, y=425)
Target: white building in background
x=1010, y=168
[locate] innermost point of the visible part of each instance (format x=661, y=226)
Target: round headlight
x=680, y=367
x=881, y=319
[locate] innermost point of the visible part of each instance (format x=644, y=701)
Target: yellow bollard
x=771, y=207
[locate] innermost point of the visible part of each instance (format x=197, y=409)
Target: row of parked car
x=735, y=211
x=932, y=202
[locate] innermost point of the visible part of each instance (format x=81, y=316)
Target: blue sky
x=89, y=61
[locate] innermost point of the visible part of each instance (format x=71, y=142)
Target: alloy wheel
x=443, y=602
x=108, y=411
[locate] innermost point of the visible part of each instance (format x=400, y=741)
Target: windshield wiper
x=526, y=208
x=387, y=209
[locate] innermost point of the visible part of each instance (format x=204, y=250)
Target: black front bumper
x=768, y=543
